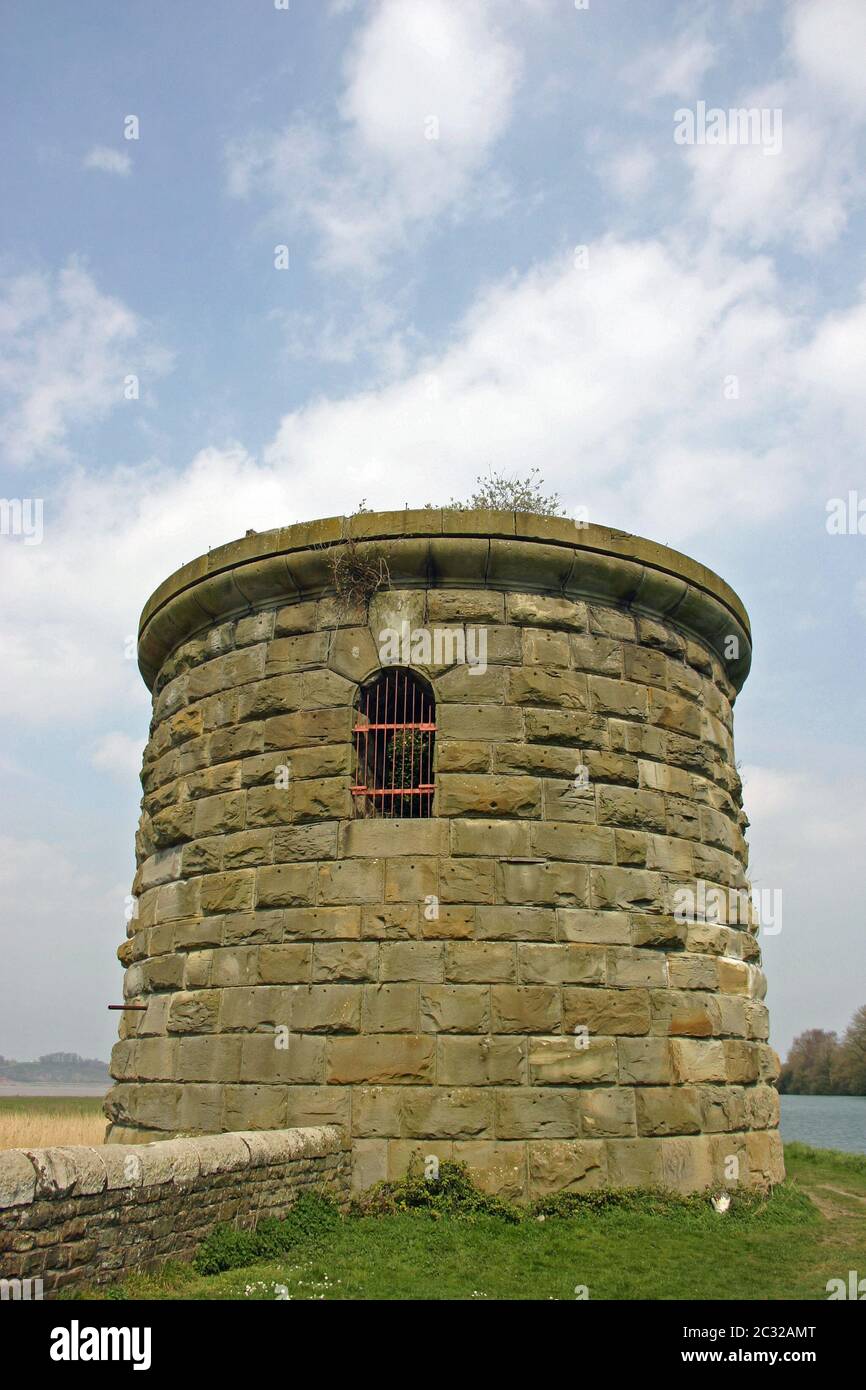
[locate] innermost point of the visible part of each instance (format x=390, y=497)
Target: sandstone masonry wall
x=553, y=1021
x=91, y=1215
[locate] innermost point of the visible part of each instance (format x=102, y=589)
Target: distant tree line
x=55, y=1066
x=821, y=1064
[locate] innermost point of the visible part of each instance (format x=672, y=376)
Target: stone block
x=287, y=964
x=537, y=1113
x=605, y=1011
x=323, y=923
x=497, y=838
x=325, y=1008
x=286, y=885
x=560, y=964
x=369, y=1163
x=265, y=1059
x=412, y=960
x=390, y=1008
x=631, y=808
x=493, y=723
x=571, y=1061
x=667, y=1110
x=455, y=1008
x=376, y=1111
x=344, y=960
x=607, y=1112
x=228, y=892
x=448, y=1113
x=466, y=881
x=388, y=839
x=563, y=801
x=694, y=1059
x=559, y=884
x=551, y=686
x=462, y=755
x=644, y=1062
x=515, y=923
x=601, y=928
x=617, y=699
x=565, y=1165
x=480, y=962
x=496, y=1168
x=352, y=881
x=481, y=1061
x=489, y=796
x=625, y=889
x=411, y=879
x=525, y=1008
x=388, y=1059
x=306, y=842
x=543, y=610
x=196, y=1011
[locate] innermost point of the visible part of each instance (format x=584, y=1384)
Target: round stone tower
x=442, y=841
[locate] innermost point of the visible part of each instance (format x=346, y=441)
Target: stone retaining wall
x=92, y=1215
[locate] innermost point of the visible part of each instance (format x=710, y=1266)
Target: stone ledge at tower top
x=451, y=549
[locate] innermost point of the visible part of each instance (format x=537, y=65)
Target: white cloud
x=428, y=90
x=802, y=195
x=72, y=603
x=671, y=69
x=610, y=379
x=828, y=42
x=630, y=173
x=65, y=349
x=831, y=366
x=118, y=754
x=799, y=195
x=109, y=161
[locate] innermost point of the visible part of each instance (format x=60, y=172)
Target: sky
x=261, y=262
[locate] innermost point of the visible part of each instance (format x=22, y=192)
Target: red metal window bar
x=394, y=732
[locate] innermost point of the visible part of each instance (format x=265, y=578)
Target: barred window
x=394, y=732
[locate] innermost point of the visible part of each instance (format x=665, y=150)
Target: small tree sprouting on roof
x=496, y=492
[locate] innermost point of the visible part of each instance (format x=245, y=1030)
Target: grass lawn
x=62, y=1105
x=41, y=1122
x=811, y=1230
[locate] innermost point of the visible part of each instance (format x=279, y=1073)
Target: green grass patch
x=442, y=1241
x=804, y=1158
x=68, y=1105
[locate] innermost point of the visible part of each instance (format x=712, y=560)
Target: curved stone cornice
x=449, y=549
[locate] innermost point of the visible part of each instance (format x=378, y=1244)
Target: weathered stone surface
x=607, y=1112
x=668, y=1110
x=455, y=1009
x=392, y=1060
x=484, y=1061
x=566, y=1165
x=489, y=796
x=461, y=1113
x=525, y=1008
x=567, y=964
x=527, y=1113
x=573, y=1061
x=645, y=1062
x=606, y=1011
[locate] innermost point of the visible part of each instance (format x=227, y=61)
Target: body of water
x=827, y=1122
